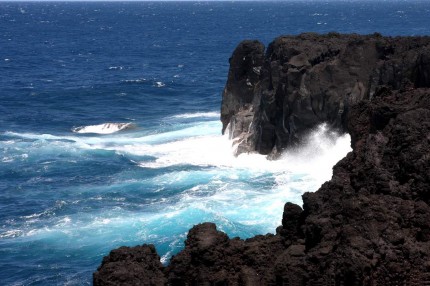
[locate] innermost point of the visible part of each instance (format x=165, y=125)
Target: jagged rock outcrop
x=139, y=265
x=272, y=98
x=369, y=225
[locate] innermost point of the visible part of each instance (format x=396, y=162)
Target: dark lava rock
x=369, y=225
x=271, y=100
x=138, y=265
x=211, y=258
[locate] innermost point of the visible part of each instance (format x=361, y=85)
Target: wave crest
x=105, y=128
x=197, y=115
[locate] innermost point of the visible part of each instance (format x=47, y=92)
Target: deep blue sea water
x=67, y=198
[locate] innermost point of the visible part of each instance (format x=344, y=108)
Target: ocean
x=110, y=132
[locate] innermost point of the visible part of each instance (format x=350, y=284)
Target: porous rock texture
x=139, y=265
x=274, y=97
x=369, y=225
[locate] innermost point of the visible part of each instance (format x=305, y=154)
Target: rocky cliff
x=274, y=96
x=369, y=225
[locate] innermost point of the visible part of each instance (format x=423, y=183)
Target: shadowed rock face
x=368, y=225
x=272, y=98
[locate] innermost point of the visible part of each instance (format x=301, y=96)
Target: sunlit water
x=150, y=187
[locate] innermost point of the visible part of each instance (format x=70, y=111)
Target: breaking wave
x=198, y=115
x=105, y=128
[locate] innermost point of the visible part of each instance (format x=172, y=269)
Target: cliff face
x=273, y=97
x=369, y=225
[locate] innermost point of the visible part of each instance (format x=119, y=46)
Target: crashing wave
x=105, y=128
x=198, y=115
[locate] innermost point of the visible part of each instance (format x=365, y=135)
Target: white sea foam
x=321, y=150
x=201, y=145
x=198, y=115
x=11, y=233
x=234, y=180
x=299, y=170
x=105, y=128
x=159, y=84
x=125, y=142
x=7, y=159
x=214, y=192
x=115, y=68
x=140, y=80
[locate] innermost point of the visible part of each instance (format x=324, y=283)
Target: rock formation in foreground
x=273, y=97
x=369, y=225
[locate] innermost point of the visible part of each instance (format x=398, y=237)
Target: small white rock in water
x=105, y=128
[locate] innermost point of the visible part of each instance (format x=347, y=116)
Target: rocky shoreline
x=274, y=96
x=368, y=225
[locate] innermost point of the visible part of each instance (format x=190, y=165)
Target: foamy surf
x=105, y=128
x=161, y=181
x=198, y=115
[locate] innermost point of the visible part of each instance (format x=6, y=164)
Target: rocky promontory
x=368, y=225
x=274, y=96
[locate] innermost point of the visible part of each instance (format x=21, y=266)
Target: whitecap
x=116, y=67
x=12, y=233
x=7, y=159
x=139, y=80
x=64, y=221
x=9, y=142
x=105, y=128
x=160, y=84
x=198, y=115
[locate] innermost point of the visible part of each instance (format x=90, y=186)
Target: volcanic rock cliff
x=273, y=97
x=369, y=225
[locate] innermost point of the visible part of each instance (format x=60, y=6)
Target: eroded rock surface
x=273, y=97
x=139, y=265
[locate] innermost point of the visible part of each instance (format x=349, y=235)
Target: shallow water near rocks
x=67, y=198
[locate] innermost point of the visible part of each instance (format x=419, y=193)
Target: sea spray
x=105, y=128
